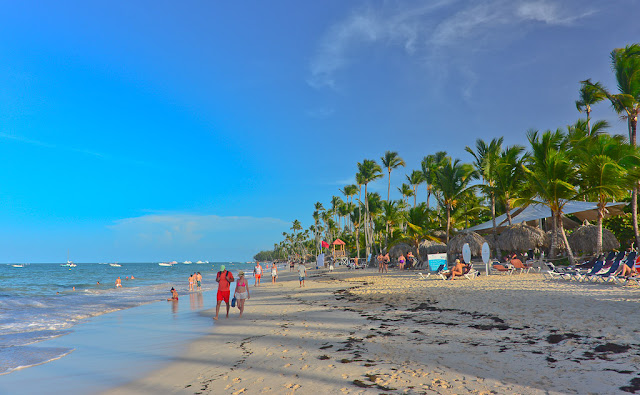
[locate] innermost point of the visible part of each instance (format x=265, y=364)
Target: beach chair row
x=469, y=273
x=599, y=269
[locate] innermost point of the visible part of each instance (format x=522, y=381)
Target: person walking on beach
x=302, y=273
x=380, y=262
x=199, y=281
x=274, y=273
x=118, y=282
x=257, y=274
x=401, y=262
x=291, y=266
x=386, y=261
x=191, y=282
x=242, y=291
x=224, y=278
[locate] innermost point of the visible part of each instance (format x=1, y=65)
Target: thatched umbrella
x=520, y=237
x=431, y=247
x=454, y=248
x=584, y=239
x=400, y=248
x=559, y=245
x=490, y=240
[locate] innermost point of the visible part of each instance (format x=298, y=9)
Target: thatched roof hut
x=454, y=248
x=441, y=234
x=560, y=244
x=584, y=239
x=521, y=237
x=431, y=247
x=400, y=248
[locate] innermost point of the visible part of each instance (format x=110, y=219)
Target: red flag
x=325, y=244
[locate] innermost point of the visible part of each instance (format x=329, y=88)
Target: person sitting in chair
x=457, y=270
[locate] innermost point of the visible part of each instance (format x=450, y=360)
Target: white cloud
x=443, y=35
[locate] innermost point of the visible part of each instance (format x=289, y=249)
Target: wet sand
x=360, y=332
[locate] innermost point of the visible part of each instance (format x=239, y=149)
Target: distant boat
x=69, y=264
x=18, y=265
x=165, y=264
x=115, y=265
x=187, y=262
x=199, y=263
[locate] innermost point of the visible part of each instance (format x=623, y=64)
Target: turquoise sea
x=38, y=303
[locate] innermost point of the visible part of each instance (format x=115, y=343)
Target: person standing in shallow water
x=274, y=273
x=242, y=291
x=224, y=278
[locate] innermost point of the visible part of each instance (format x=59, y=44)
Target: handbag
x=233, y=301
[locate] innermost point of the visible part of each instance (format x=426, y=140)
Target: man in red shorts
x=224, y=279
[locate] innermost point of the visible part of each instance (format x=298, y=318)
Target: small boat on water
x=115, y=265
x=187, y=262
x=165, y=264
x=18, y=265
x=199, y=263
x=69, y=264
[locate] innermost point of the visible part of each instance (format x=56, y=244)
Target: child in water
x=174, y=295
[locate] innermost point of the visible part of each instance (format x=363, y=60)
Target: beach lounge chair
x=518, y=265
x=629, y=261
x=606, y=273
x=552, y=272
x=470, y=273
x=597, y=268
x=504, y=270
x=423, y=277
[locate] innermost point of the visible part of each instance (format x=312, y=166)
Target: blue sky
x=161, y=130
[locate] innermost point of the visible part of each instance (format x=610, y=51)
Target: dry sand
x=361, y=332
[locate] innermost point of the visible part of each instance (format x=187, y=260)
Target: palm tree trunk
x=566, y=242
x=508, y=207
x=599, y=238
x=389, y=187
x=428, y=196
x=633, y=122
x=554, y=240
x=448, y=221
x=493, y=219
x=367, y=247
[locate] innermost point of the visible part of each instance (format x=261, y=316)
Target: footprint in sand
x=287, y=365
x=305, y=367
x=237, y=380
x=239, y=391
x=292, y=386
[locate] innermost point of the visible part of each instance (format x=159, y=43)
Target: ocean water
x=38, y=303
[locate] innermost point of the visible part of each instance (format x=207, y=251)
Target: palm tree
x=452, y=180
x=607, y=171
x=419, y=224
x=391, y=161
x=415, y=178
x=550, y=175
x=370, y=171
x=626, y=66
x=486, y=160
x=509, y=179
x=589, y=95
x=406, y=191
x=430, y=164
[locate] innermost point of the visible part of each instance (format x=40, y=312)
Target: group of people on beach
x=257, y=273
x=195, y=280
x=403, y=263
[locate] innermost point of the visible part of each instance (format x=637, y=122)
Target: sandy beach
x=361, y=332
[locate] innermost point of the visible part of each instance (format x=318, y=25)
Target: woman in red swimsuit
x=242, y=291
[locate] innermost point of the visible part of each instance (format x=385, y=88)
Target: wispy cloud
x=320, y=113
x=442, y=35
x=82, y=151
